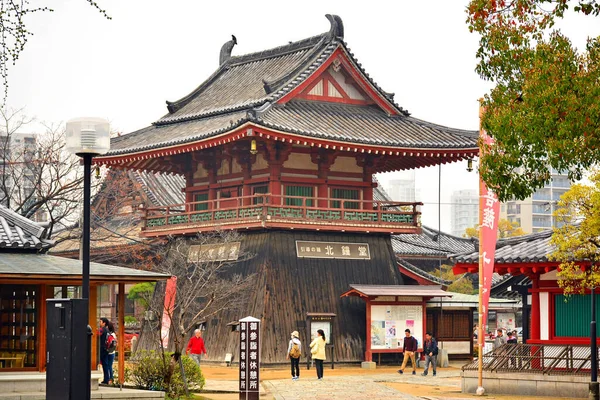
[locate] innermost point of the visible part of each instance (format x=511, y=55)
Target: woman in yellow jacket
x=317, y=349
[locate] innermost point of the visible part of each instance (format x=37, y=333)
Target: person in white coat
x=317, y=349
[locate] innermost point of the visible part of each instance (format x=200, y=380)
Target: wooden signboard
x=338, y=250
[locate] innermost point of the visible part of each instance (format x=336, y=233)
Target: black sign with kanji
x=339, y=250
x=249, y=358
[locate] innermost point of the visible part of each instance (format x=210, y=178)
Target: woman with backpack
x=294, y=352
x=317, y=349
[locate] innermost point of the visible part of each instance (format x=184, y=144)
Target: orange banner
x=489, y=211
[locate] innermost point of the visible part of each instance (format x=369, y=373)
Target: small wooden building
x=28, y=277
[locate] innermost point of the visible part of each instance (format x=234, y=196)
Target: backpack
x=111, y=342
x=295, y=351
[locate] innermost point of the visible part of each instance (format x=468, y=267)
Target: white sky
x=80, y=64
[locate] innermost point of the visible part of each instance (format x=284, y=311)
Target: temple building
x=282, y=145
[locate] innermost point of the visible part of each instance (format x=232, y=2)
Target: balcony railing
x=267, y=210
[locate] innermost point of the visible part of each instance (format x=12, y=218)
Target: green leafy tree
x=141, y=293
x=460, y=283
x=505, y=229
x=544, y=109
x=579, y=238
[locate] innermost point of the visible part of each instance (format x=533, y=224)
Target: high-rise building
x=403, y=187
x=17, y=170
x=464, y=210
x=534, y=214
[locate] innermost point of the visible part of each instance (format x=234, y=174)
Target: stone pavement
x=352, y=387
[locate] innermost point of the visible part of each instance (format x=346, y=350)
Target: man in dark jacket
x=409, y=349
x=431, y=351
x=103, y=349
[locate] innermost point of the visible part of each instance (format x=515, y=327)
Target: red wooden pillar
x=246, y=188
x=275, y=183
x=535, y=308
x=368, y=353
x=212, y=190
x=536, y=363
x=368, y=196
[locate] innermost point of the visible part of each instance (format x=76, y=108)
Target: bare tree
x=14, y=33
x=206, y=285
x=38, y=177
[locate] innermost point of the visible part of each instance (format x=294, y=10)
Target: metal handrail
x=536, y=358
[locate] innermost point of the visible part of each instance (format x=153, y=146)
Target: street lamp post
x=87, y=137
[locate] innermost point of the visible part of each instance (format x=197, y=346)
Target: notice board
x=388, y=323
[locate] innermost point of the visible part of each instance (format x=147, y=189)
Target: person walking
x=103, y=332
x=111, y=347
x=293, y=354
x=500, y=340
x=409, y=348
x=431, y=351
x=195, y=347
x=317, y=349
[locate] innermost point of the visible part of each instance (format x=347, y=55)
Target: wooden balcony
x=287, y=212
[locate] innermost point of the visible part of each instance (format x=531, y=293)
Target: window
x=338, y=193
x=257, y=190
x=302, y=191
x=201, y=197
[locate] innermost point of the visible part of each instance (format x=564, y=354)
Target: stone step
x=104, y=393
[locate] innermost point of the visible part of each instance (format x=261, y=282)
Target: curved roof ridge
x=277, y=51
x=525, y=238
x=436, y=232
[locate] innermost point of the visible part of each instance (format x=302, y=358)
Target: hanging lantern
x=470, y=165
x=253, y=147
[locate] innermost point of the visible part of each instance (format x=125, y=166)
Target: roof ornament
x=226, y=50
x=337, y=26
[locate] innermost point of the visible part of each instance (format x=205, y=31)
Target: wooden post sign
x=249, y=358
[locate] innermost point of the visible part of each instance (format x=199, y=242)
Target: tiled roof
x=473, y=299
x=245, y=88
x=362, y=124
x=157, y=136
x=398, y=290
x=240, y=82
x=16, y=265
x=160, y=189
x=426, y=244
x=19, y=232
x=533, y=248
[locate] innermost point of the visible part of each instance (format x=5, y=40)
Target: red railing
x=268, y=209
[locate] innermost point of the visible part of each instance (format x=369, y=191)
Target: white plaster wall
x=544, y=322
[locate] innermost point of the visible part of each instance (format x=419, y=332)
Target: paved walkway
x=350, y=387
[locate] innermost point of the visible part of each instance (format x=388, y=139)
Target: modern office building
x=17, y=170
x=464, y=210
x=534, y=214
